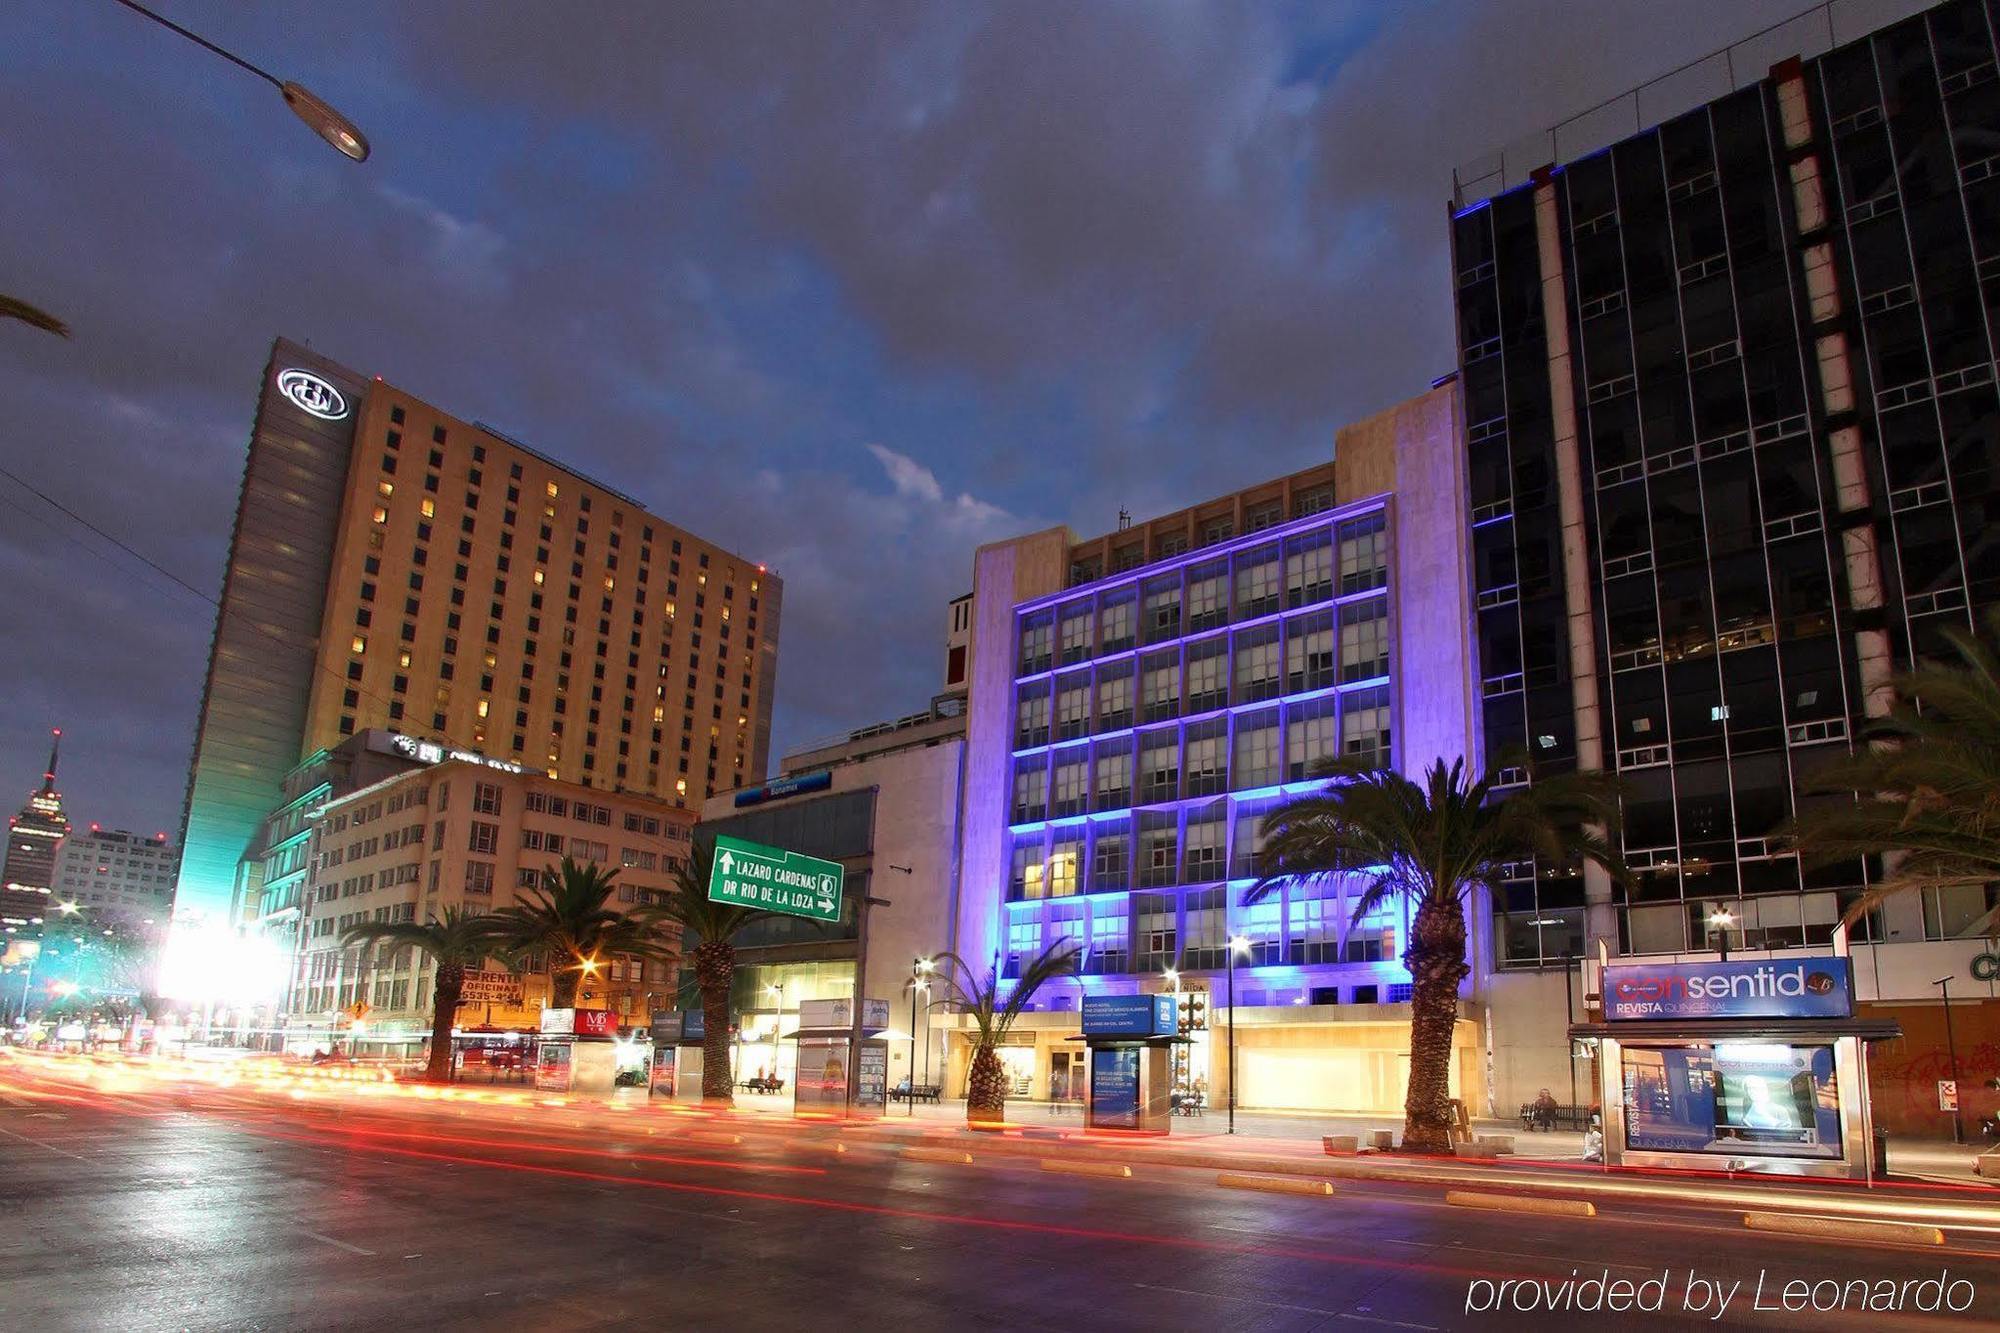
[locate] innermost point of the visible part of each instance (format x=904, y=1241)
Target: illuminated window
x=610, y=583
x=361, y=643
x=385, y=489
x=381, y=514
x=403, y=659
x=430, y=508
x=483, y=705
x=554, y=490
x=540, y=577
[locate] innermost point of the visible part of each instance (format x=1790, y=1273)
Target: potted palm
x=1436, y=841
x=993, y=1017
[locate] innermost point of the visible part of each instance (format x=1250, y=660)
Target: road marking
x=64, y=1152
x=1241, y=1300
x=340, y=1244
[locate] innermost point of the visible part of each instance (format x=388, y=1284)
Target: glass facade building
x=1733, y=433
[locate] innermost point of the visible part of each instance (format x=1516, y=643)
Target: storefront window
x=1747, y=1099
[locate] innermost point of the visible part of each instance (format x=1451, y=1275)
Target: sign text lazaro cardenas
x=753, y=875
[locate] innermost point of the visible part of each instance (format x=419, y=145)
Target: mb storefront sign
x=750, y=874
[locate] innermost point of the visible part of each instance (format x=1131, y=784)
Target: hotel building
x=396, y=567
x=1732, y=419
x=117, y=876
x=1139, y=700
x=460, y=831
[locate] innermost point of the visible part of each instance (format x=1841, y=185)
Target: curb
x=1108, y=1170
x=955, y=1156
x=1520, y=1203
x=1274, y=1184
x=1828, y=1228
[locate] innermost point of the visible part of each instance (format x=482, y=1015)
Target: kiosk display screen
x=1769, y=1099
x=1114, y=1087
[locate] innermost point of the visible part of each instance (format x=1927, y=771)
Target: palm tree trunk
x=444, y=1009
x=986, y=1088
x=1436, y=959
x=563, y=985
x=714, y=969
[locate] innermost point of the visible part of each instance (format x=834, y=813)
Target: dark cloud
x=851, y=288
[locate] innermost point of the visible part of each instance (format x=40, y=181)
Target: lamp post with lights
x=1237, y=944
x=319, y=116
x=1719, y=922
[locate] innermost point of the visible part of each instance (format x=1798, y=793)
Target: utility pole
x=1951, y=1049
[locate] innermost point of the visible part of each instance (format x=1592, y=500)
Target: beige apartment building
x=466, y=832
x=396, y=567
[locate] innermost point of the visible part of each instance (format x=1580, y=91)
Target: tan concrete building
x=469, y=833
x=397, y=567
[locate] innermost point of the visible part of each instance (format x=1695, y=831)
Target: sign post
x=750, y=874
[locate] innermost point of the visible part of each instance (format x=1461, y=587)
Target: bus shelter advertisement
x=1819, y=986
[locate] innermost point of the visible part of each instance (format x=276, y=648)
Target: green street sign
x=753, y=875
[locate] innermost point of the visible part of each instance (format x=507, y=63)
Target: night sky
x=848, y=287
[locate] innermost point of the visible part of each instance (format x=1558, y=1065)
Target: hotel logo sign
x=312, y=395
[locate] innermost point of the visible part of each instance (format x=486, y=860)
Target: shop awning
x=1739, y=1029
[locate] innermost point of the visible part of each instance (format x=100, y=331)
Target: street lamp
x=1719, y=922
x=1237, y=944
x=925, y=966
x=319, y=116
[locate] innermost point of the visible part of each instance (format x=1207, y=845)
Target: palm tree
x=569, y=917
x=458, y=941
x=993, y=1017
x=33, y=316
x=1928, y=788
x=1433, y=841
x=716, y=925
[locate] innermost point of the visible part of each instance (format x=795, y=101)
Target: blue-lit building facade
x=1141, y=701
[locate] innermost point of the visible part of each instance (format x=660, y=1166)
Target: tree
x=33, y=316
x=1926, y=793
x=1434, y=842
x=993, y=1018
x=716, y=925
x=569, y=917
x=458, y=941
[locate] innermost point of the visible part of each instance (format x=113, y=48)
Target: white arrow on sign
x=725, y=861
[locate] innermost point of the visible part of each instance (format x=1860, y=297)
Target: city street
x=162, y=1203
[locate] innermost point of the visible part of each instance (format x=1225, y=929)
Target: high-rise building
x=1734, y=443
x=117, y=876
x=33, y=835
x=1139, y=701
x=396, y=567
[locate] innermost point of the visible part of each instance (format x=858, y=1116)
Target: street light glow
x=1240, y=943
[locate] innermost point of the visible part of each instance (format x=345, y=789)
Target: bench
x=762, y=1085
x=923, y=1092
x=1554, y=1117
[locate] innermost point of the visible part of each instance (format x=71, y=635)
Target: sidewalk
x=1265, y=1132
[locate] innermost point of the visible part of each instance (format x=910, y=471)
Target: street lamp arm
x=202, y=41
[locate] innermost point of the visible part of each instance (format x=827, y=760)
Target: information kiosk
x=1129, y=1037
x=1747, y=1064
x=576, y=1052
x=835, y=1074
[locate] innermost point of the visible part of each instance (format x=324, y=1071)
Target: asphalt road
x=214, y=1208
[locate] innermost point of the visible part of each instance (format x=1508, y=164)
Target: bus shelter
x=1736, y=1065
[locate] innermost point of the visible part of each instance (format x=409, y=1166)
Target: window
x=486, y=797
x=1364, y=726
x=1208, y=596
x=1308, y=737
x=1159, y=851
x=1072, y=707
x=1161, y=688
x=1309, y=569
x=1116, y=624
x=1037, y=644
x=1026, y=878
x=1203, y=848
x=1309, y=653
x=1207, y=670
x=1113, y=784
x=1076, y=633
x=485, y=837
x=1163, y=610
x=1065, y=862
x=1160, y=767
x=1114, y=698
x=1205, y=762
x=1256, y=672
x=1071, y=783
x=1257, y=583
x=1032, y=718
x=1031, y=792
x=479, y=878
x=1256, y=760
x=1364, y=640
x=633, y=858
x=1364, y=553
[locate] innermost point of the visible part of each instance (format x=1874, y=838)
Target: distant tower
x=32, y=837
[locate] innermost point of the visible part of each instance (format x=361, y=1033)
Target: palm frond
x=32, y=316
